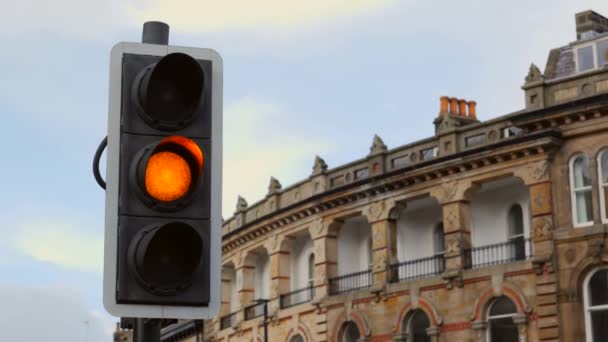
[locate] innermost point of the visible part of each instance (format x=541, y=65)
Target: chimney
x=443, y=108
x=457, y=107
x=472, y=113
x=590, y=24
x=462, y=107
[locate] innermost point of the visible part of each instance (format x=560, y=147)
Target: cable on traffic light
x=96, y=158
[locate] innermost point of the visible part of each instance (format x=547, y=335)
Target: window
x=596, y=305
x=602, y=53
x=362, y=173
x=311, y=269
x=580, y=185
x=602, y=165
x=400, y=161
x=501, y=327
x=475, y=140
x=429, y=153
x=439, y=240
x=516, y=232
x=416, y=327
x=511, y=132
x=297, y=338
x=585, y=58
x=350, y=332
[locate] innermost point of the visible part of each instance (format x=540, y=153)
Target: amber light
x=168, y=176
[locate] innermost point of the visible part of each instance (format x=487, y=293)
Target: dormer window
x=592, y=56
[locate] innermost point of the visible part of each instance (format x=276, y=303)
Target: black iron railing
x=498, y=253
x=255, y=310
x=228, y=320
x=350, y=282
x=419, y=268
x=296, y=297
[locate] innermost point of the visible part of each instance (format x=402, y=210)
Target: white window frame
x=573, y=193
x=602, y=185
x=588, y=330
x=593, y=44
x=489, y=318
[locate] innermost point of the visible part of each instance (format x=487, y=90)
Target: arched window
x=349, y=332
x=297, y=338
x=596, y=305
x=416, y=327
x=311, y=269
x=370, y=252
x=501, y=327
x=517, y=246
x=602, y=166
x=580, y=186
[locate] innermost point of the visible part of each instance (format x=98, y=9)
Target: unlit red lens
x=168, y=176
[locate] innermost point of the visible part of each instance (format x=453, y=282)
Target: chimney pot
x=453, y=106
x=462, y=110
x=472, y=110
x=443, y=108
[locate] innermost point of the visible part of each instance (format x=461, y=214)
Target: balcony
x=297, y=297
x=228, y=320
x=416, y=269
x=498, y=253
x=350, y=282
x=255, y=310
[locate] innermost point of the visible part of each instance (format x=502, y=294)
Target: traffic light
x=163, y=193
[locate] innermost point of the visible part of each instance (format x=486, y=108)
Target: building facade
x=487, y=231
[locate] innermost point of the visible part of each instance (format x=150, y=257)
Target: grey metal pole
x=155, y=32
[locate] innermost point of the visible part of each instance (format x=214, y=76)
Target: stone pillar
x=245, y=280
x=537, y=178
x=383, y=241
x=325, y=244
x=521, y=321
x=457, y=230
x=227, y=283
x=433, y=333
x=478, y=329
x=279, y=269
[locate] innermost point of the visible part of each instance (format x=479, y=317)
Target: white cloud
x=50, y=314
x=96, y=19
x=213, y=15
x=261, y=141
x=62, y=243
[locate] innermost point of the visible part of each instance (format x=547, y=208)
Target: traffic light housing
x=163, y=193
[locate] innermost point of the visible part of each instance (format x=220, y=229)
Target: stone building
x=487, y=231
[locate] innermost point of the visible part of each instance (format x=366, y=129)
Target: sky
x=301, y=78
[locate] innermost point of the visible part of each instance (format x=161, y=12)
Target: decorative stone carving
x=542, y=229
x=379, y=262
x=570, y=255
x=377, y=147
x=449, y=191
x=272, y=243
x=414, y=156
x=594, y=249
x=492, y=136
x=540, y=170
x=240, y=260
x=317, y=228
x=534, y=74
x=454, y=244
x=320, y=167
x=378, y=238
x=274, y=187
x=451, y=218
x=241, y=204
x=541, y=199
x=377, y=209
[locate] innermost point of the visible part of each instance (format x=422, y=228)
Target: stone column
x=279, y=269
x=245, y=280
x=457, y=230
x=433, y=333
x=454, y=197
x=383, y=241
x=537, y=178
x=521, y=321
x=227, y=283
x=478, y=329
x=325, y=244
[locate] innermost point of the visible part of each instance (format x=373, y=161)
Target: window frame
x=573, y=191
x=588, y=330
x=602, y=185
x=489, y=317
x=511, y=236
x=436, y=251
x=311, y=275
x=593, y=45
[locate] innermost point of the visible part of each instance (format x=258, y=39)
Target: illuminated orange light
x=189, y=145
x=168, y=176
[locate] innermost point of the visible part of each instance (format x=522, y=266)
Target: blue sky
x=301, y=78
